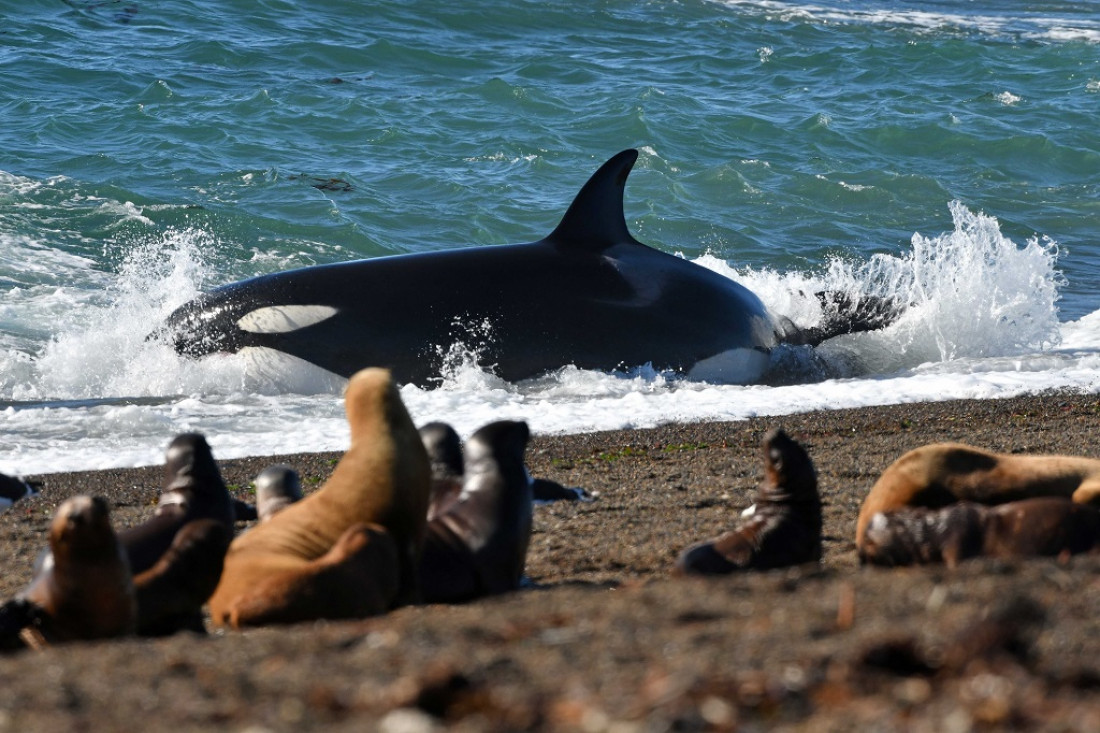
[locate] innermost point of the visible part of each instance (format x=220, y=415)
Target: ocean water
x=943, y=153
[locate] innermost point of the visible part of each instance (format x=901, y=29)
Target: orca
x=587, y=295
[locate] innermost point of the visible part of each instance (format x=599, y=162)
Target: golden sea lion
x=83, y=590
x=943, y=473
x=1041, y=526
x=782, y=528
x=382, y=482
x=359, y=576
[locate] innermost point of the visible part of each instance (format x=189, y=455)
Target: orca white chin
x=284, y=318
x=289, y=373
x=735, y=366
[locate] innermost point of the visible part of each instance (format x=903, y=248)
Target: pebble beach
x=605, y=638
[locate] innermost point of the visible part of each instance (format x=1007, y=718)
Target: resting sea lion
x=84, y=590
x=14, y=488
x=783, y=527
x=1040, y=526
x=943, y=473
x=359, y=576
x=319, y=546
x=478, y=545
x=170, y=595
x=277, y=487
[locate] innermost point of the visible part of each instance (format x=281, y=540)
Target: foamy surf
x=981, y=322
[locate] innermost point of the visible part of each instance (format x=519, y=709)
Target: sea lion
x=359, y=576
x=320, y=547
x=1041, y=526
x=445, y=453
x=84, y=589
x=14, y=488
x=170, y=595
x=943, y=473
x=478, y=545
x=277, y=487
x=782, y=528
x=193, y=489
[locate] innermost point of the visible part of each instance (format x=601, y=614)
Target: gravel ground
x=606, y=639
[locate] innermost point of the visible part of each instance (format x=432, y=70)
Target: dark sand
x=607, y=640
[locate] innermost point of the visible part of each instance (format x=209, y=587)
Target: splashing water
x=973, y=297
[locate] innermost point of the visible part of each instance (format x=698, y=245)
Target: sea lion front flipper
x=170, y=595
x=725, y=554
x=1088, y=492
x=243, y=511
x=15, y=616
x=358, y=577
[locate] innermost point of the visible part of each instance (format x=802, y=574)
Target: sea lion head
x=504, y=442
x=277, y=487
x=789, y=474
x=445, y=455
x=373, y=402
x=444, y=449
x=81, y=529
x=192, y=480
x=917, y=535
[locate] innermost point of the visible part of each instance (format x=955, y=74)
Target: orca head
x=223, y=322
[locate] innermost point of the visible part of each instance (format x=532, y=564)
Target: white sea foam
x=1016, y=21
x=981, y=321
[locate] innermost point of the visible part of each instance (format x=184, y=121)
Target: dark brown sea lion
x=14, y=488
x=84, y=589
x=478, y=545
x=943, y=473
x=445, y=453
x=784, y=526
x=319, y=546
x=193, y=489
x=170, y=595
x=277, y=487
x=1041, y=526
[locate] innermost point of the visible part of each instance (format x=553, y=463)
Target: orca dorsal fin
x=595, y=220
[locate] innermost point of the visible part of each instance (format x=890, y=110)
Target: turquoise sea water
x=148, y=151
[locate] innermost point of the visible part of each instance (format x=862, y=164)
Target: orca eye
x=284, y=318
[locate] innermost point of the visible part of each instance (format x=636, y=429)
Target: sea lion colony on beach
x=412, y=516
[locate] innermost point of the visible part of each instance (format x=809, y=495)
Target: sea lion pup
x=943, y=473
x=277, y=487
x=193, y=489
x=1041, y=526
x=445, y=453
x=324, y=547
x=14, y=488
x=478, y=545
x=83, y=590
x=782, y=528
